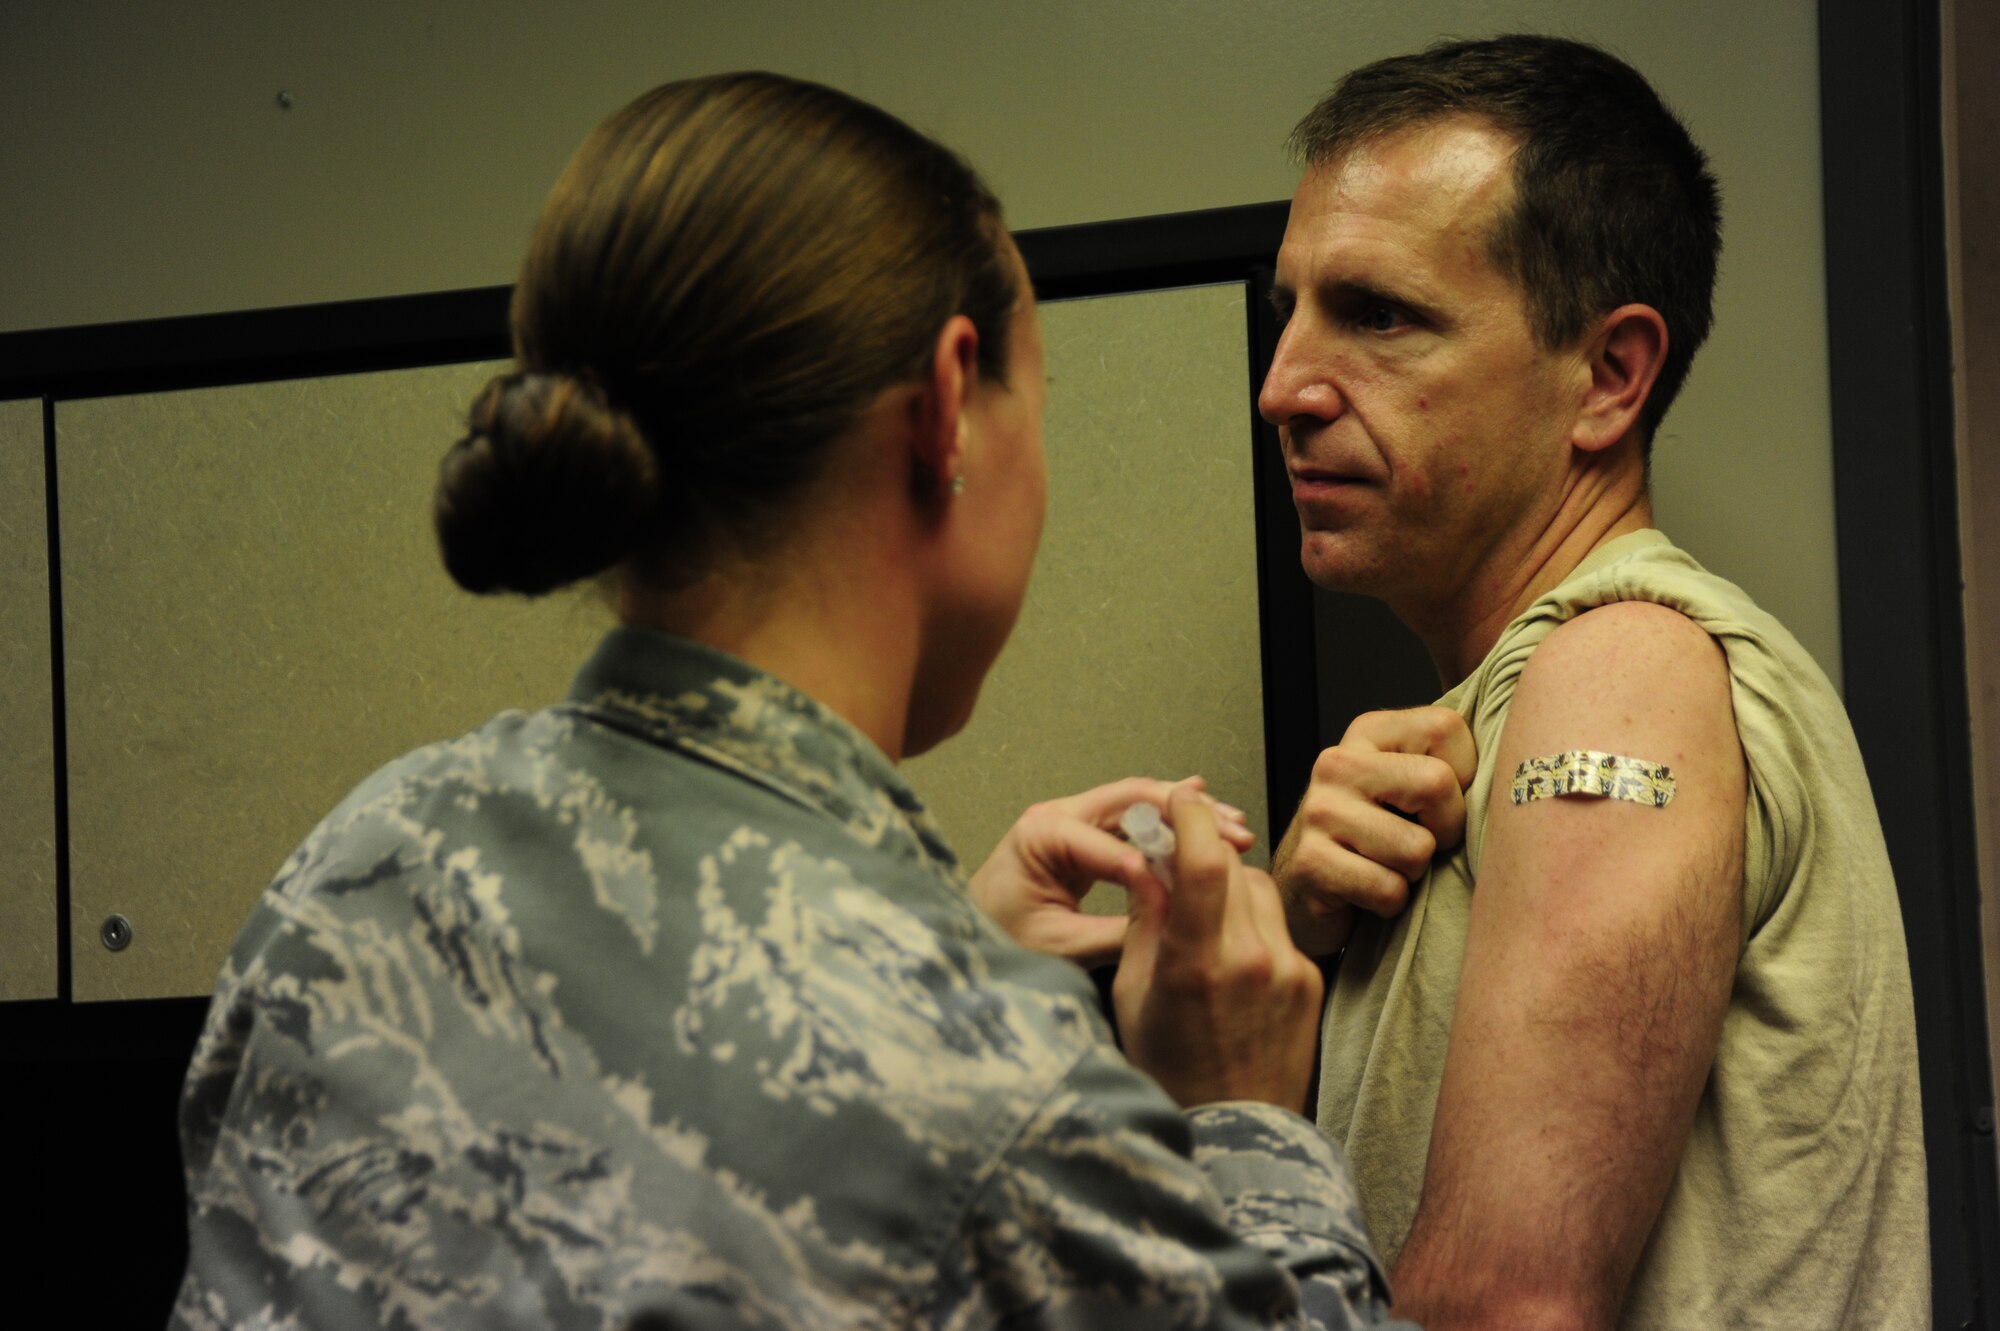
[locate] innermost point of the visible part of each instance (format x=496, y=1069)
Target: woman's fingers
x=1078, y=854
x=1104, y=805
x=1215, y=1000
x=1201, y=872
x=1088, y=940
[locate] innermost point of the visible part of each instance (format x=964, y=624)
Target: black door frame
x=1902, y=615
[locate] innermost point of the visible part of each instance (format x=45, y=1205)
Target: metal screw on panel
x=115, y=933
x=284, y=100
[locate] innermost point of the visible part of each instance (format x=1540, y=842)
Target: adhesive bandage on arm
x=1589, y=772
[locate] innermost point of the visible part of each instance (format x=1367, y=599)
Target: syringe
x=1143, y=827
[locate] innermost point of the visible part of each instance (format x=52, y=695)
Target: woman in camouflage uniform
x=668, y=1004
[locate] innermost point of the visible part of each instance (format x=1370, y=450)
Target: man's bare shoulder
x=1633, y=668
x=1635, y=632
x=1632, y=692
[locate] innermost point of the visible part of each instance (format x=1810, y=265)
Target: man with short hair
x=1659, y=1069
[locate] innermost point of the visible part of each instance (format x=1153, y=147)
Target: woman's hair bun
x=553, y=482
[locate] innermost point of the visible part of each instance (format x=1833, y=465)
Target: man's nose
x=1296, y=389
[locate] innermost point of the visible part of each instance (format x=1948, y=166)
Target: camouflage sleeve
x=1114, y=1209
x=1286, y=1189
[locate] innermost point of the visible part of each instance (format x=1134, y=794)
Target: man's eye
x=1379, y=317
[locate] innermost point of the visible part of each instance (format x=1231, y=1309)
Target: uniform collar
x=722, y=710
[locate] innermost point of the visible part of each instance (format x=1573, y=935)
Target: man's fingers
x=1325, y=876
x=1438, y=732
x=1455, y=746
x=1424, y=787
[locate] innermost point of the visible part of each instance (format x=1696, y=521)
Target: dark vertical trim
x=1902, y=629
x=59, y=735
x=1284, y=597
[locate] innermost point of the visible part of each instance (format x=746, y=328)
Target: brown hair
x=728, y=273
x=1613, y=202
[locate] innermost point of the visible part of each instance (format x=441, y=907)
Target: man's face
x=1426, y=433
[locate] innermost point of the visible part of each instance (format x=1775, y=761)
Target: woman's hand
x=1214, y=1000
x=1032, y=883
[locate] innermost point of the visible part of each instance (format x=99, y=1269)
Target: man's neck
x=1461, y=630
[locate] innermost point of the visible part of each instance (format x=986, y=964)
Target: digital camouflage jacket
x=666, y=1007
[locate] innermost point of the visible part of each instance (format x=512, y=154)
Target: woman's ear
x=937, y=436
x=1625, y=356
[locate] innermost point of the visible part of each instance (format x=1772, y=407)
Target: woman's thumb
x=1146, y=903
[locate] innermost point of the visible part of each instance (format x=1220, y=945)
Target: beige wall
x=1972, y=156
x=150, y=170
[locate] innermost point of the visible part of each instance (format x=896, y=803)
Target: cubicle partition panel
x=253, y=617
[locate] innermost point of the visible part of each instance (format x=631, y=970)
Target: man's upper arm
x=1599, y=958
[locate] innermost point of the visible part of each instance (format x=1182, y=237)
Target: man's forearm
x=1444, y=1287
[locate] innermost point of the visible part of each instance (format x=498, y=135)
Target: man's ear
x=1625, y=355
x=937, y=439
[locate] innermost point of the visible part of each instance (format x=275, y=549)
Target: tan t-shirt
x=1799, y=1202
